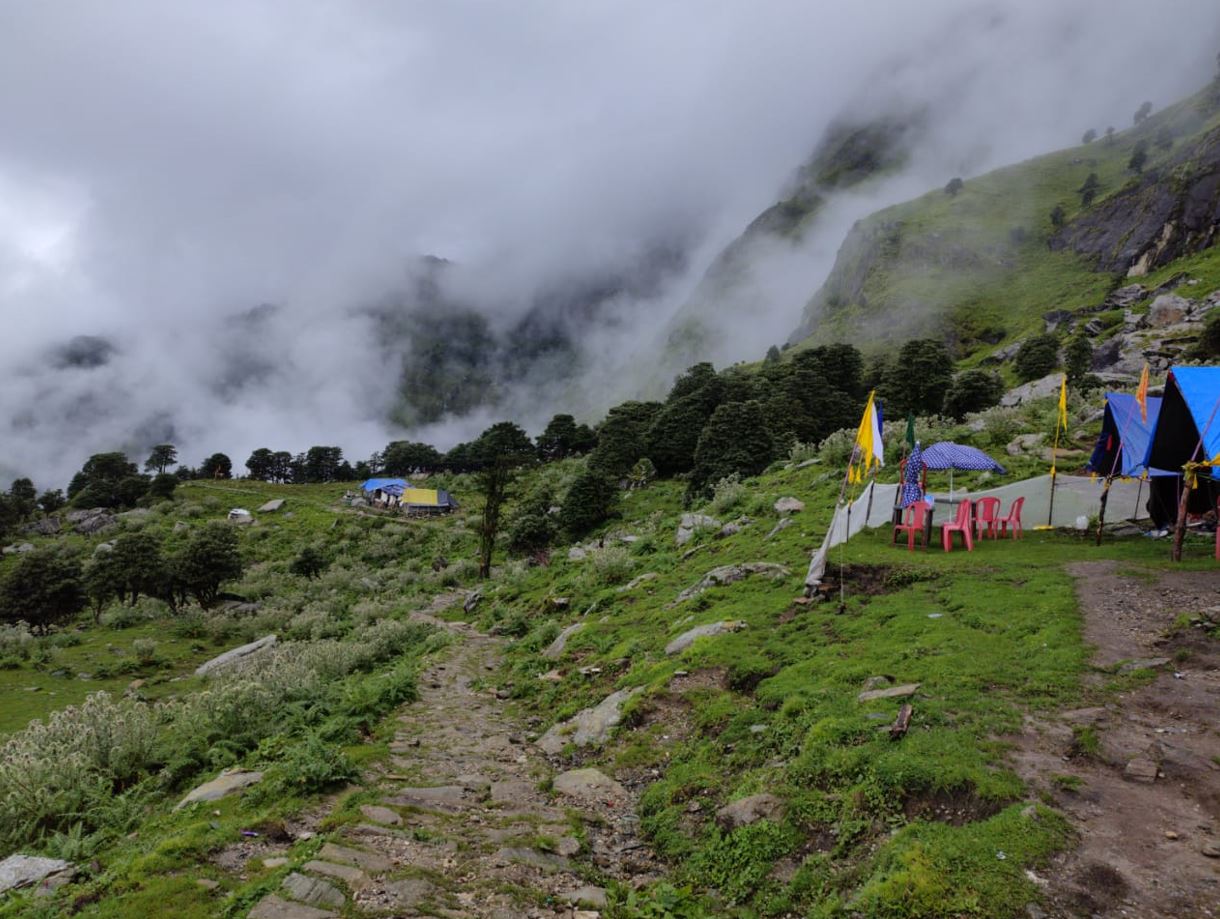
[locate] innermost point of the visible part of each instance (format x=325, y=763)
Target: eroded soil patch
x=1138, y=776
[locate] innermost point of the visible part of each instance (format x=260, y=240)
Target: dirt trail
x=1140, y=776
x=467, y=823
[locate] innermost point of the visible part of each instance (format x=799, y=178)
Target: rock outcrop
x=589, y=727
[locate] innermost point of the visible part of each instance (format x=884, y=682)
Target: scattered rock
x=1211, y=850
x=789, y=506
x=783, y=524
x=637, y=581
x=18, y=549
x=272, y=907
x=18, y=871
x=586, y=896
x=590, y=786
x=181, y=526
x=313, y=891
x=349, y=874
x=1141, y=769
x=1143, y=663
x=408, y=893
x=576, y=554
x=749, y=810
x=379, y=814
x=1167, y=310
x=588, y=727
x=472, y=601
x=1024, y=443
x=225, y=784
x=207, y=883
x=567, y=846
x=729, y=529
x=892, y=692
x=1043, y=388
x=555, y=648
x=730, y=574
x=368, y=861
x=543, y=861
x=232, y=657
x=47, y=526
x=691, y=523
x=94, y=520
x=443, y=797
x=271, y=506
x=687, y=638
x=276, y=861
x=1055, y=318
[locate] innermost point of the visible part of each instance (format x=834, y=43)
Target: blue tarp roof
x=389, y=486
x=1200, y=390
x=1125, y=432
x=948, y=455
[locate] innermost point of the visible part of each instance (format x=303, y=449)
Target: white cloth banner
x=1075, y=496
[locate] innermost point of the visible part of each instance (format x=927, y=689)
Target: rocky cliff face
x=1165, y=214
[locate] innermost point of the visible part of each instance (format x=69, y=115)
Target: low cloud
x=166, y=169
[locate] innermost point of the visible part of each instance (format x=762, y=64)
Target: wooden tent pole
x=1179, y=528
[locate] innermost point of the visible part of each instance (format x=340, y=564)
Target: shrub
x=43, y=589
x=728, y=494
x=973, y=391
x=611, y=565
x=1208, y=345
x=590, y=502
x=144, y=650
x=1037, y=357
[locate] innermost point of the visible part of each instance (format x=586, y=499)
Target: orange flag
x=1141, y=394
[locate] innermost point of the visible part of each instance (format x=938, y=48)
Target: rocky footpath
x=471, y=819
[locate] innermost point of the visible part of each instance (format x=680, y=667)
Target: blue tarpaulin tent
x=1188, y=425
x=1125, y=436
x=389, y=486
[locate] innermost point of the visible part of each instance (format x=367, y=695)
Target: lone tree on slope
x=162, y=455
x=498, y=454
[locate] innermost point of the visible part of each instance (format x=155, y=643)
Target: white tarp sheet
x=1075, y=496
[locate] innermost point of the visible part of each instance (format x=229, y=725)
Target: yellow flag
x=1063, y=403
x=1141, y=394
x=867, y=450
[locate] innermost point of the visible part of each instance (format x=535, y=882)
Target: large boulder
x=229, y=658
x=588, y=786
x=692, y=523
x=92, y=520
x=555, y=649
x=18, y=871
x=225, y=784
x=730, y=574
x=687, y=638
x=1167, y=310
x=47, y=526
x=1044, y=388
x=589, y=727
x=789, y=506
x=746, y=811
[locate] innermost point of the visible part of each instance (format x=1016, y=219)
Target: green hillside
x=858, y=823
x=981, y=267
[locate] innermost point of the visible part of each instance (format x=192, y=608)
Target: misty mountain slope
x=850, y=154
x=983, y=266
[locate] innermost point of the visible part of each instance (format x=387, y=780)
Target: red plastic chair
x=986, y=517
x=915, y=520
x=1013, y=519
x=961, y=523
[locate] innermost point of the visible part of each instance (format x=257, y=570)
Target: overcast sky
x=166, y=166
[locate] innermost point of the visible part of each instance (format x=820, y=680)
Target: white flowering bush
x=728, y=495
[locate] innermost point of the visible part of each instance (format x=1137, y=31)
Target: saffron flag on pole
x=867, y=450
x=1141, y=394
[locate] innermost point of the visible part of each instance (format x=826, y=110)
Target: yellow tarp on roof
x=425, y=496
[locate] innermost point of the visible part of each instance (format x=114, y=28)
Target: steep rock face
x=1167, y=213
x=850, y=153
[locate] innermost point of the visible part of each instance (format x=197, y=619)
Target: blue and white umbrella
x=948, y=455
x=911, y=490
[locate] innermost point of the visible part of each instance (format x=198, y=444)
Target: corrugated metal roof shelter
x=1125, y=437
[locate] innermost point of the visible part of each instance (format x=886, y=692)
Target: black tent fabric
x=1176, y=442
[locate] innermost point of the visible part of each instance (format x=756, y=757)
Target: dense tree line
x=51, y=585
